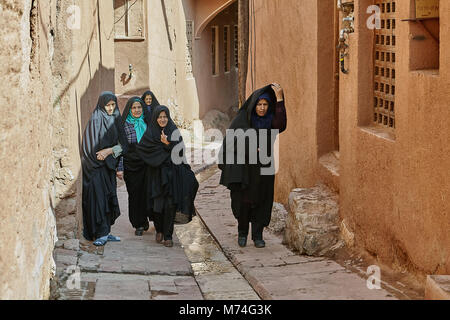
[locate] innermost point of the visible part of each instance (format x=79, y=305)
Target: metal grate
x=384, y=65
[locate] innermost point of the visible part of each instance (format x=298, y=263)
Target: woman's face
x=148, y=99
x=110, y=107
x=136, y=110
x=262, y=107
x=163, y=119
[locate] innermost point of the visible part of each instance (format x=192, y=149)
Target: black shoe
x=139, y=232
x=146, y=227
x=242, y=241
x=259, y=243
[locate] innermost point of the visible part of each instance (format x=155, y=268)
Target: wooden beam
x=243, y=36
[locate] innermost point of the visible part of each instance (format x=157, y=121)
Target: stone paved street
x=205, y=263
x=275, y=272
x=137, y=268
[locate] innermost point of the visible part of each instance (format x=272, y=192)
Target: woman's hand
x=164, y=139
x=278, y=91
x=103, y=154
x=120, y=175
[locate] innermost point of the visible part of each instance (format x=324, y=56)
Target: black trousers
x=164, y=221
x=244, y=220
x=259, y=212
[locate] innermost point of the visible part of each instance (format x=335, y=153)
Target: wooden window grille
x=128, y=19
x=384, y=65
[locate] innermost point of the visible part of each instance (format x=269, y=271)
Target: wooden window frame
x=129, y=3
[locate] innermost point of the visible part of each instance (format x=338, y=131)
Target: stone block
x=312, y=224
x=346, y=235
x=437, y=287
x=278, y=221
x=72, y=244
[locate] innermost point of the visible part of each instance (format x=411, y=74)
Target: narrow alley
x=334, y=116
x=206, y=263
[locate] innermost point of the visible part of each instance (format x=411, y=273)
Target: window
x=384, y=66
x=424, y=28
x=128, y=19
x=226, y=48
x=215, y=50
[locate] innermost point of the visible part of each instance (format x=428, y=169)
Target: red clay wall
x=394, y=188
x=292, y=50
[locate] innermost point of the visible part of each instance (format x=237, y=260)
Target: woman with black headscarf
x=135, y=119
x=103, y=142
x=252, y=182
x=150, y=101
x=171, y=184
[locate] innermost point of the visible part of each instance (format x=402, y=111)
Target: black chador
x=251, y=183
x=100, y=203
x=134, y=167
x=153, y=105
x=171, y=187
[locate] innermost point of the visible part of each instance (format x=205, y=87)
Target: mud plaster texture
x=393, y=186
x=52, y=74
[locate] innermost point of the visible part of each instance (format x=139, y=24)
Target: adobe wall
x=295, y=47
x=134, y=52
x=394, y=187
x=52, y=75
x=189, y=96
x=27, y=220
x=216, y=92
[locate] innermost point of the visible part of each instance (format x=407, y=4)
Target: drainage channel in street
x=216, y=276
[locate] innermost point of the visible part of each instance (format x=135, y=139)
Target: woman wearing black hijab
x=103, y=142
x=251, y=183
x=150, y=101
x=135, y=119
x=171, y=184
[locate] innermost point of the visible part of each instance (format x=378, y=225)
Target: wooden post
x=243, y=36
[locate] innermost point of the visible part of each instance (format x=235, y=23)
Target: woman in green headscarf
x=136, y=120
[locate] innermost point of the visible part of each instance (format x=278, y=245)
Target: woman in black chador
x=103, y=142
x=171, y=185
x=135, y=119
x=150, y=101
x=251, y=180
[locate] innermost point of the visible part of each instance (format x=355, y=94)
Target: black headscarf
x=244, y=174
x=154, y=104
x=103, y=131
x=99, y=196
x=152, y=150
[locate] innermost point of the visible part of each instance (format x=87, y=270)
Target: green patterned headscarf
x=139, y=124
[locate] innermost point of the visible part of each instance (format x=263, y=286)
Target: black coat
x=135, y=174
x=100, y=204
x=245, y=181
x=167, y=178
x=154, y=104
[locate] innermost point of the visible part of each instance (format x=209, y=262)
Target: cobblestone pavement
x=275, y=272
x=137, y=268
